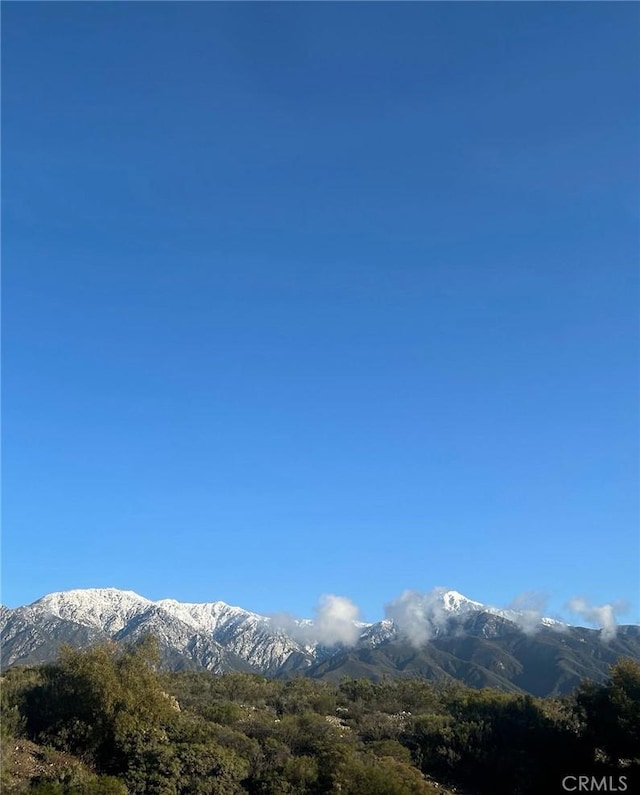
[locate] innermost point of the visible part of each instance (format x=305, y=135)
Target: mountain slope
x=443, y=636
x=213, y=635
x=544, y=664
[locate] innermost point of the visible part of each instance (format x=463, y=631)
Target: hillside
x=107, y=722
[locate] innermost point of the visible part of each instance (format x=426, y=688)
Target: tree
x=611, y=713
x=104, y=705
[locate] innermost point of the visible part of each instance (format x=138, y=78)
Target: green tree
x=610, y=714
x=106, y=706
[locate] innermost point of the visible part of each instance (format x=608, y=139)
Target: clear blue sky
x=309, y=298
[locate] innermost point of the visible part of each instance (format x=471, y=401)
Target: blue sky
x=321, y=298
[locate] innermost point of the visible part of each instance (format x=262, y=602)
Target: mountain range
x=458, y=638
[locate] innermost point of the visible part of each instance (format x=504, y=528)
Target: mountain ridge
x=442, y=635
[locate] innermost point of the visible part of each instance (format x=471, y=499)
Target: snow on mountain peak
x=108, y=609
x=206, y=616
x=455, y=602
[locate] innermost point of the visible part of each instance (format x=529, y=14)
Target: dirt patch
x=28, y=762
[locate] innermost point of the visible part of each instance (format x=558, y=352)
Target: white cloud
x=603, y=616
x=334, y=624
x=335, y=621
x=419, y=616
x=529, y=610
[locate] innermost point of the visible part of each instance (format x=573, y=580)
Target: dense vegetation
x=108, y=722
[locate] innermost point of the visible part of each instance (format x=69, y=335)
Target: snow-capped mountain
x=206, y=634
x=256, y=639
x=214, y=635
x=106, y=609
x=219, y=637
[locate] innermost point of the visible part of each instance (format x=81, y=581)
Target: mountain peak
x=101, y=608
x=457, y=602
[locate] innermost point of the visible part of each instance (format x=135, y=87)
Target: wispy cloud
x=529, y=609
x=419, y=616
x=335, y=623
x=603, y=616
